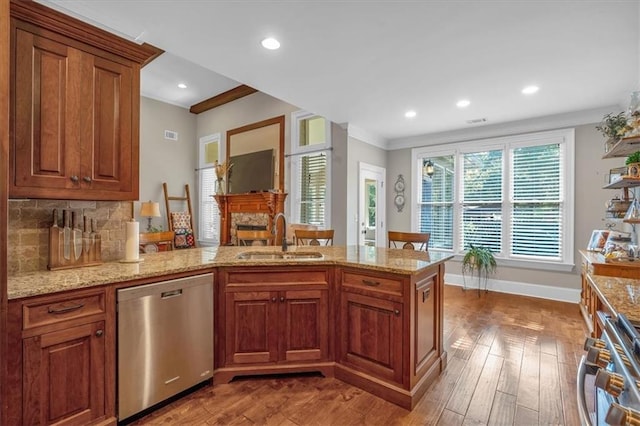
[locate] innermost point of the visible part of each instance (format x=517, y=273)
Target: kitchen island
x=370, y=316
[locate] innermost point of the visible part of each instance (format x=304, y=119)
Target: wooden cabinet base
x=403, y=397
x=225, y=375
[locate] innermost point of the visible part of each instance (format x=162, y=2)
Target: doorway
x=371, y=196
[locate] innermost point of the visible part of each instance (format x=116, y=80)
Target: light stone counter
x=178, y=261
x=622, y=295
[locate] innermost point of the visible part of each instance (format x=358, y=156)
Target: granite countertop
x=622, y=295
x=178, y=261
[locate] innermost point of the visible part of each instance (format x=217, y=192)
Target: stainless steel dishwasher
x=165, y=340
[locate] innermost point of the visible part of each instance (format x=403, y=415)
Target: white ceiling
x=366, y=62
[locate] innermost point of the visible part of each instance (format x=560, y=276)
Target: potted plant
x=633, y=164
x=478, y=262
x=613, y=126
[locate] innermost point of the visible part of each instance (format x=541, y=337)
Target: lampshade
x=427, y=168
x=150, y=209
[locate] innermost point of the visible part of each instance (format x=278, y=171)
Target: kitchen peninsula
x=370, y=316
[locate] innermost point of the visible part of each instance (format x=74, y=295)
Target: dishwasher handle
x=171, y=293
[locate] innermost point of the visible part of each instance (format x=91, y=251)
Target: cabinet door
x=371, y=335
x=64, y=376
x=107, y=150
x=304, y=319
x=44, y=146
x=251, y=327
x=425, y=325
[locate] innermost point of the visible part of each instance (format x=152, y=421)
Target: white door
x=371, y=217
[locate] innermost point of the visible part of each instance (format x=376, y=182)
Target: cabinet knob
x=87, y=179
x=74, y=178
x=273, y=299
x=282, y=298
x=397, y=311
x=99, y=333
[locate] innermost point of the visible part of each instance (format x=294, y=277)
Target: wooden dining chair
x=317, y=237
x=255, y=238
x=409, y=240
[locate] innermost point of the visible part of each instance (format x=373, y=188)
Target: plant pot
x=633, y=170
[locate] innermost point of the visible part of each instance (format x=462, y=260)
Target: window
x=511, y=195
x=310, y=166
x=208, y=213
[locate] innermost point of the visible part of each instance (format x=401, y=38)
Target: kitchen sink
x=265, y=255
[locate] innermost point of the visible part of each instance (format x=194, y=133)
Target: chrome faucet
x=284, y=229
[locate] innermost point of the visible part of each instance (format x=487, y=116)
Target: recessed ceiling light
x=530, y=90
x=270, y=43
x=410, y=114
x=463, y=103
x=182, y=85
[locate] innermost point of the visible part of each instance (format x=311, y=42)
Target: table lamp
x=149, y=209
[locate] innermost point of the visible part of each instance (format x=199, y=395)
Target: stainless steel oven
x=609, y=375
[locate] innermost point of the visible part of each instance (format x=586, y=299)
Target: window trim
x=203, y=141
x=566, y=139
x=297, y=152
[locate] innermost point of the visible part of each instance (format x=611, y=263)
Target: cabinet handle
x=74, y=179
x=273, y=299
x=397, y=312
x=282, y=298
x=99, y=333
x=64, y=309
x=371, y=283
x=87, y=179
x=425, y=294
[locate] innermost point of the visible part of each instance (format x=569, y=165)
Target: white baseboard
x=562, y=294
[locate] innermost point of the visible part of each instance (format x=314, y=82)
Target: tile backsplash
x=30, y=220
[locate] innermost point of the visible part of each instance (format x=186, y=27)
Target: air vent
x=171, y=135
x=477, y=121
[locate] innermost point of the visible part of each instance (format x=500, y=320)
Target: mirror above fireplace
x=257, y=154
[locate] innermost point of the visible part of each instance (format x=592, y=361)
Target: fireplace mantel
x=270, y=203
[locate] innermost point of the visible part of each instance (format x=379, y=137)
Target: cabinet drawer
x=372, y=283
x=48, y=312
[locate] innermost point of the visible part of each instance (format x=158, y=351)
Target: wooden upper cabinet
x=75, y=108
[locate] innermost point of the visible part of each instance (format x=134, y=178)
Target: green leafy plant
x=613, y=126
x=633, y=158
x=478, y=262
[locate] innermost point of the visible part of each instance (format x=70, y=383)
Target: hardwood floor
x=512, y=361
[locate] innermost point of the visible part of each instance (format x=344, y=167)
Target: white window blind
x=536, y=214
x=436, y=205
x=313, y=188
x=482, y=200
x=209, y=212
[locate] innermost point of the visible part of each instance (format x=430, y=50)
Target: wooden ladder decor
x=186, y=198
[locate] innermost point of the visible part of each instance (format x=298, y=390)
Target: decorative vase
x=220, y=186
x=634, y=104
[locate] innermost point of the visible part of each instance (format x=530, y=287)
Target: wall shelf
x=625, y=182
x=623, y=147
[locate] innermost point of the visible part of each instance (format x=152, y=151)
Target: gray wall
x=339, y=191
x=359, y=151
x=249, y=109
x=163, y=160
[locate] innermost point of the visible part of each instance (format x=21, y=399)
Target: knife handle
x=65, y=218
x=55, y=217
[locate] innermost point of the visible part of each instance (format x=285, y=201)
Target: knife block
x=90, y=250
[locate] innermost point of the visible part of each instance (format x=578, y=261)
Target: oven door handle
x=583, y=411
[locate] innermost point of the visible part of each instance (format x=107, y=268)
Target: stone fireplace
x=254, y=209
